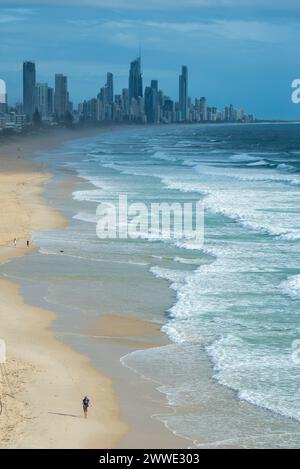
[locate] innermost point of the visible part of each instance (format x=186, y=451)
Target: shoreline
x=34, y=414
x=40, y=391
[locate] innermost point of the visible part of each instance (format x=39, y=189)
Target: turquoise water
x=236, y=301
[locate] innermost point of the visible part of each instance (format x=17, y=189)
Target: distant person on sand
x=27, y=243
x=15, y=242
x=85, y=405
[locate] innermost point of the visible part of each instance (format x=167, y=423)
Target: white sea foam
x=160, y=155
x=243, y=157
x=259, y=375
x=243, y=175
x=259, y=163
x=190, y=261
x=259, y=207
x=291, y=287
x=88, y=217
x=176, y=277
x=286, y=167
x=88, y=195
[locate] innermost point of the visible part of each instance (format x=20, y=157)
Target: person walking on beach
x=15, y=242
x=85, y=405
x=27, y=243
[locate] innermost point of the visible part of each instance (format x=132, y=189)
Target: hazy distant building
x=231, y=113
x=105, y=102
x=183, y=93
x=41, y=99
x=154, y=85
x=3, y=97
x=61, y=96
x=149, y=104
x=2, y=92
x=19, y=108
x=108, y=98
x=50, y=101
x=168, y=111
x=29, y=81
x=125, y=103
x=203, y=109
x=226, y=113
x=110, y=88
x=135, y=80
x=152, y=105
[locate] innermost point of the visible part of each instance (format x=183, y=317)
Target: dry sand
x=43, y=381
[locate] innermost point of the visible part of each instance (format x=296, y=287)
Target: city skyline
x=232, y=50
x=134, y=85
x=134, y=104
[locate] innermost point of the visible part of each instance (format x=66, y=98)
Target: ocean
x=230, y=373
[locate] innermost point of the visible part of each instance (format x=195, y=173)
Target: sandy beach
x=43, y=381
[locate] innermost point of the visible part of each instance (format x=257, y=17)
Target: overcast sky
x=237, y=51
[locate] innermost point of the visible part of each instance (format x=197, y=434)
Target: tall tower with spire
x=183, y=93
x=135, y=79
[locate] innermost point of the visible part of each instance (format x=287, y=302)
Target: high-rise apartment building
x=135, y=80
x=110, y=88
x=41, y=99
x=183, y=93
x=29, y=82
x=61, y=104
x=203, y=109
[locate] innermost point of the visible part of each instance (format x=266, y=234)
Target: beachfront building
x=41, y=99
x=29, y=83
x=10, y=121
x=61, y=96
x=203, y=109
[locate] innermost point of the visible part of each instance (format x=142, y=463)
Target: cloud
x=11, y=15
x=161, y=4
x=128, y=32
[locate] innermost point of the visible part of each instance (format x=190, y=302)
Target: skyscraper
x=154, y=85
x=110, y=88
x=203, y=109
x=61, y=95
x=135, y=80
x=2, y=92
x=41, y=99
x=231, y=113
x=3, y=97
x=183, y=93
x=125, y=103
x=152, y=103
x=29, y=80
x=50, y=101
